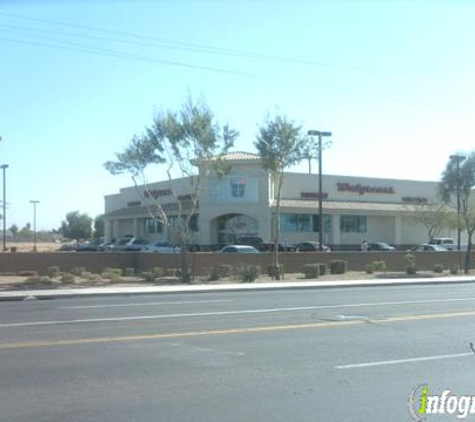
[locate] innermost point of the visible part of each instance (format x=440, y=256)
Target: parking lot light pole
x=458, y=159
x=4, y=168
x=34, y=202
x=320, y=184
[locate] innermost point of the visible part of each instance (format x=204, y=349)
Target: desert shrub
x=338, y=266
x=91, y=276
x=369, y=268
x=172, y=272
x=53, y=271
x=129, y=272
x=220, y=271
x=214, y=274
x=112, y=276
x=148, y=276
x=67, y=278
x=454, y=269
x=380, y=265
x=272, y=270
x=249, y=273
x=43, y=279
x=109, y=270
x=438, y=268
x=323, y=269
x=27, y=273
x=77, y=271
x=410, y=264
x=311, y=270
x=157, y=272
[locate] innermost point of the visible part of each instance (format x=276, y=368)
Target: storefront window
x=152, y=225
x=353, y=224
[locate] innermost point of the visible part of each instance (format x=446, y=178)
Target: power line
x=187, y=45
x=111, y=53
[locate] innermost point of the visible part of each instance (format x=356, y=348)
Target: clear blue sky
x=393, y=81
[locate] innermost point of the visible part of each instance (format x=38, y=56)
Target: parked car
x=68, y=247
x=238, y=249
x=162, y=247
x=93, y=246
x=129, y=244
x=427, y=248
x=380, y=247
x=311, y=246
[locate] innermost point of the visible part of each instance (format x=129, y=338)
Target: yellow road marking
x=224, y=331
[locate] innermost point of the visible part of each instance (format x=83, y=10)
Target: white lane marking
x=400, y=361
x=145, y=304
x=243, y=312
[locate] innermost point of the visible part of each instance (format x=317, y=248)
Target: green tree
x=99, y=227
x=280, y=144
x=76, y=226
x=26, y=232
x=14, y=229
x=181, y=142
x=461, y=178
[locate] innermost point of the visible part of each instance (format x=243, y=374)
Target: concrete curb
x=216, y=288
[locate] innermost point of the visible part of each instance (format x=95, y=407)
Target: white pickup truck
x=447, y=242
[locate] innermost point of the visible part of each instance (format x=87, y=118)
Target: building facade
x=243, y=204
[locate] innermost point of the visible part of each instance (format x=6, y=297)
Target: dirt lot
x=28, y=246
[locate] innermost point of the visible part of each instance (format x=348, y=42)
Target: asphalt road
x=351, y=354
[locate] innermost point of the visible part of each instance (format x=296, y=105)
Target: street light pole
x=4, y=168
x=34, y=202
x=320, y=184
x=458, y=159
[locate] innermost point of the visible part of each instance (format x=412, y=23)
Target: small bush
x=438, y=268
x=338, y=266
x=157, y=272
x=272, y=270
x=454, y=269
x=129, y=272
x=220, y=271
x=411, y=270
x=323, y=269
x=54, y=271
x=311, y=270
x=91, y=276
x=109, y=270
x=148, y=276
x=380, y=266
x=112, y=276
x=77, y=271
x=43, y=279
x=67, y=278
x=27, y=273
x=172, y=272
x=369, y=268
x=249, y=273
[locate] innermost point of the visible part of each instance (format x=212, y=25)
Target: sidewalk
x=216, y=288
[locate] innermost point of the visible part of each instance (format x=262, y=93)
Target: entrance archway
x=229, y=227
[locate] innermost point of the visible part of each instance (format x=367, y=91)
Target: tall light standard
x=458, y=159
x=320, y=188
x=4, y=168
x=34, y=202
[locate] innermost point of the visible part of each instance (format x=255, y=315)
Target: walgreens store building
x=243, y=204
